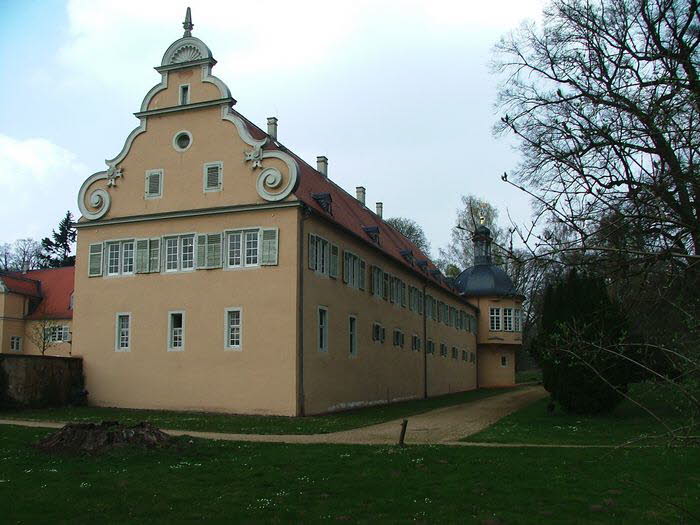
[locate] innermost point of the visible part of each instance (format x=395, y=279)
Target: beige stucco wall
x=199, y=91
x=380, y=372
x=485, y=335
x=12, y=308
x=491, y=372
x=259, y=379
x=32, y=338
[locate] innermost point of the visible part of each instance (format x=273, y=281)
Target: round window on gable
x=182, y=140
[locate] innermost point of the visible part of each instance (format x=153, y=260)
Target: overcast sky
x=397, y=94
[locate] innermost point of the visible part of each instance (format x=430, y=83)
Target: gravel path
x=444, y=426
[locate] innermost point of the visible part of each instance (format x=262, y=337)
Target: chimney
x=322, y=165
x=272, y=127
x=380, y=209
x=360, y=192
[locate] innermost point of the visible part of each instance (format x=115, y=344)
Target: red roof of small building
x=351, y=215
x=54, y=286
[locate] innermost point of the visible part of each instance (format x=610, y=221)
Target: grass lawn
x=528, y=376
x=533, y=424
x=211, y=422
x=272, y=483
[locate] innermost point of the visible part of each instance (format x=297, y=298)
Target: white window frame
x=227, y=339
x=517, y=320
x=352, y=335
x=117, y=335
x=170, y=331
x=508, y=319
x=176, y=147
x=187, y=97
x=219, y=164
x=228, y=234
x=166, y=241
x=322, y=251
x=495, y=324
x=108, y=259
x=322, y=330
x=147, y=195
x=15, y=343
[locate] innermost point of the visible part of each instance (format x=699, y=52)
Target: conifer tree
x=56, y=251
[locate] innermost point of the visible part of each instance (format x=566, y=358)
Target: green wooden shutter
x=269, y=247
x=214, y=250
x=362, y=274
x=142, y=255
x=154, y=256
x=201, y=251
x=346, y=267
x=95, y=260
x=312, y=252
x=333, y=268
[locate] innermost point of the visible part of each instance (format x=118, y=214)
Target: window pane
x=234, y=328
x=128, y=257
x=123, y=331
x=171, y=254
x=251, y=247
x=113, y=259
x=187, y=252
x=176, y=331
x=234, y=249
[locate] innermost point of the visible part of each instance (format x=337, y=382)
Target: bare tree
x=26, y=254
x=460, y=250
x=43, y=333
x=6, y=257
x=604, y=99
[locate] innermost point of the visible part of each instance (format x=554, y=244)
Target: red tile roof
x=53, y=285
x=18, y=283
x=351, y=215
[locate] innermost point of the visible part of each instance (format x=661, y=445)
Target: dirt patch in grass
x=96, y=438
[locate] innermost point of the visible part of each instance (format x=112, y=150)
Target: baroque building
x=217, y=270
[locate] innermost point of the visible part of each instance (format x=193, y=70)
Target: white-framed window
x=354, y=269
x=378, y=333
x=352, y=335
x=95, y=260
x=57, y=333
x=495, y=319
x=154, y=184
x=508, y=319
x=122, y=335
x=322, y=329
x=518, y=320
x=213, y=176
x=243, y=247
x=171, y=254
x=184, y=94
x=148, y=255
x=15, y=343
x=233, y=331
x=398, y=338
x=334, y=261
x=182, y=140
x=120, y=258
x=252, y=243
x=176, y=331
x=113, y=258
x=504, y=361
x=415, y=343
x=186, y=252
x=319, y=254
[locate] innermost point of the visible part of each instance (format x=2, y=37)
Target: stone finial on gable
x=187, y=24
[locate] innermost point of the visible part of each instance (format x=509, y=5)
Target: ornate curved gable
x=183, y=129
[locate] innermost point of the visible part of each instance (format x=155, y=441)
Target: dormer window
x=324, y=200
x=408, y=255
x=372, y=232
x=184, y=94
x=422, y=264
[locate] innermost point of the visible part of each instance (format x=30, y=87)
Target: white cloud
x=38, y=181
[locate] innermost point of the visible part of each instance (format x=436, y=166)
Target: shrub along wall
x=40, y=381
